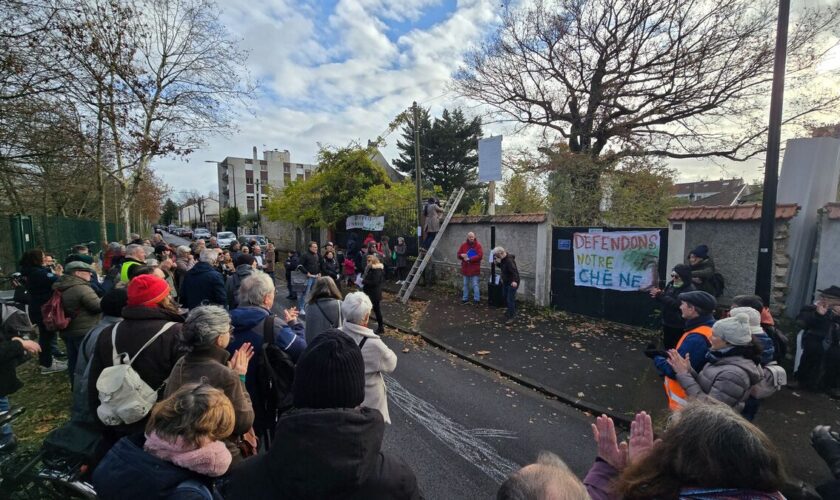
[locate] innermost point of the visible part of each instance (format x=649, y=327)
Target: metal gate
x=632, y=308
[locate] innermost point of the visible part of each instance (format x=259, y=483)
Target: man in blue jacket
x=697, y=308
x=256, y=298
x=203, y=284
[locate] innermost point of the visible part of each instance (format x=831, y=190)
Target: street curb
x=575, y=402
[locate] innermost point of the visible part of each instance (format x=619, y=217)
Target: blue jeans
x=4, y=406
x=310, y=282
x=471, y=281
x=427, y=241
x=510, y=299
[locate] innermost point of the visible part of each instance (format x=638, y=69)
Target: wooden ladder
x=420, y=264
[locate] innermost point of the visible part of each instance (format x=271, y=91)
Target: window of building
x=249, y=177
x=264, y=176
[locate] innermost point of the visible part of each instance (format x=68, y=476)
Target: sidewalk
x=594, y=365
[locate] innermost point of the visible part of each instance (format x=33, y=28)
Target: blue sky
x=338, y=71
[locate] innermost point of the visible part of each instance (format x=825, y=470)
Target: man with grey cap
x=696, y=308
x=81, y=304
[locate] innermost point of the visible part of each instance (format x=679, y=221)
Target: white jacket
x=379, y=359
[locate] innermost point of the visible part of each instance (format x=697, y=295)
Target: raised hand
x=240, y=359
x=677, y=362
x=609, y=448
x=641, y=437
x=290, y=314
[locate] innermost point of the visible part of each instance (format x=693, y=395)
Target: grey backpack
x=123, y=396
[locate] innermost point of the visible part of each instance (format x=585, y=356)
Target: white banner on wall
x=490, y=159
x=366, y=222
x=627, y=261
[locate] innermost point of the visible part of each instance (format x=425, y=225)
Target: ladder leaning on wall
x=420, y=264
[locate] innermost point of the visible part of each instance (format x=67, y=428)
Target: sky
x=336, y=71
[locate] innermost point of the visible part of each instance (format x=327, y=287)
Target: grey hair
x=133, y=249
x=135, y=236
x=114, y=246
x=183, y=250
x=356, y=307
x=209, y=256
x=548, y=477
x=205, y=324
x=498, y=251
x=152, y=262
x=254, y=288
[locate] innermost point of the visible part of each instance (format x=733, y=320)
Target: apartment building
x=241, y=179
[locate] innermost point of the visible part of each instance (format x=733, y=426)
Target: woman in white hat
x=732, y=364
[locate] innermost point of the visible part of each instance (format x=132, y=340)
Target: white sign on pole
x=366, y=222
x=490, y=159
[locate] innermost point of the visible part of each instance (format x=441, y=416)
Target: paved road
x=463, y=429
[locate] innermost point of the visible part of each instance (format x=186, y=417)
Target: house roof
x=750, y=211
x=833, y=210
x=535, y=218
x=686, y=188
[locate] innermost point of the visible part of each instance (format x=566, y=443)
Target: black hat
x=701, y=300
x=701, y=252
x=244, y=259
x=832, y=291
x=330, y=373
x=113, y=302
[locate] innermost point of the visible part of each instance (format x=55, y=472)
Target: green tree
x=230, y=218
x=169, y=213
x=340, y=187
x=522, y=195
x=639, y=194
x=448, y=152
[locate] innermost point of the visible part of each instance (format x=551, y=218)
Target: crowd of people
x=196, y=388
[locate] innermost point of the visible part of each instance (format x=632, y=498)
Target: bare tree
x=671, y=78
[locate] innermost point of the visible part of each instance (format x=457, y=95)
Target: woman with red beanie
x=149, y=312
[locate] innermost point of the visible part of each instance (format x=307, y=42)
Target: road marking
x=463, y=441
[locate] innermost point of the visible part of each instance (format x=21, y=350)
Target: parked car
x=201, y=232
x=225, y=238
x=261, y=239
x=186, y=232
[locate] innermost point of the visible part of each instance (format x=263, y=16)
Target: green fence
x=55, y=235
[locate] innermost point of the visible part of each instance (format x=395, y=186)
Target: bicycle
x=24, y=474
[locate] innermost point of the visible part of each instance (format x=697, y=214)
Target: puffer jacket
x=727, y=377
x=379, y=359
x=80, y=302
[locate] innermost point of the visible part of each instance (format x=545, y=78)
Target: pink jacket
x=211, y=460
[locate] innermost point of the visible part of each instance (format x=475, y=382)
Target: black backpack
x=275, y=375
x=718, y=284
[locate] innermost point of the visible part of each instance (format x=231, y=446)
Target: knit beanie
x=701, y=252
x=147, y=290
x=330, y=373
x=734, y=330
x=113, y=302
x=755, y=318
x=703, y=301
x=244, y=258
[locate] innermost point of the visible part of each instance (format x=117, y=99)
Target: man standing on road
x=134, y=256
x=470, y=254
x=510, y=280
x=203, y=284
x=258, y=256
x=311, y=262
x=697, y=308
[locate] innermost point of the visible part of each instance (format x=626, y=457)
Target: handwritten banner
x=622, y=260
x=366, y=222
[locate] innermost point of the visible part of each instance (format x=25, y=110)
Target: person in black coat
x=39, y=282
x=510, y=280
x=291, y=263
x=203, y=283
x=327, y=446
x=819, y=363
x=14, y=350
x=329, y=266
x=673, y=324
x=372, y=286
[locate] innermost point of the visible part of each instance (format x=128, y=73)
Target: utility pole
x=764, y=270
x=258, y=198
x=417, y=173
